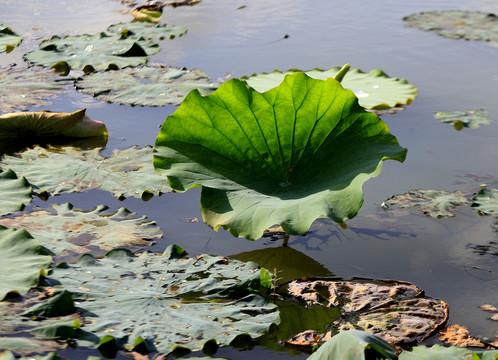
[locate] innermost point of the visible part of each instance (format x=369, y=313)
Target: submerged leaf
x=166, y=300
x=374, y=90
x=468, y=25
x=8, y=39
x=472, y=119
x=15, y=192
x=145, y=86
x=286, y=156
x=22, y=261
x=70, y=231
x=126, y=173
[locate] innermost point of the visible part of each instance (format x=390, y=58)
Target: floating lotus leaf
x=148, y=30
x=468, y=25
x=486, y=202
x=23, y=88
x=68, y=231
x=145, y=86
x=176, y=3
x=8, y=39
x=433, y=203
x=472, y=119
x=93, y=52
x=15, y=192
x=167, y=300
x=396, y=311
x=286, y=156
x=374, y=90
x=438, y=352
x=31, y=126
x=27, y=346
x=148, y=12
x=126, y=173
x=22, y=261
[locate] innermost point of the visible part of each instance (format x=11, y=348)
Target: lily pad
x=454, y=24
x=486, y=202
x=148, y=30
x=127, y=172
x=374, y=90
x=433, y=203
x=22, y=261
x=93, y=52
x=8, y=39
x=22, y=88
x=145, y=86
x=286, y=156
x=15, y=192
x=396, y=311
x=31, y=126
x=472, y=119
x=68, y=231
x=166, y=300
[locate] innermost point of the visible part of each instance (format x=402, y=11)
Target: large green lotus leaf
x=8, y=39
x=67, y=231
x=472, y=119
x=15, y=192
x=374, y=90
x=433, y=203
x=22, y=261
x=145, y=86
x=468, y=25
x=286, y=156
x=23, y=88
x=167, y=300
x=437, y=352
x=93, y=52
x=354, y=345
x=45, y=124
x=485, y=202
x=127, y=172
x=394, y=310
x=148, y=30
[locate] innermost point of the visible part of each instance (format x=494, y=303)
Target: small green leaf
x=472, y=119
x=148, y=30
x=15, y=192
x=8, y=39
x=486, y=202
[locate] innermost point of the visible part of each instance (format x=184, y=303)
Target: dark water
x=450, y=75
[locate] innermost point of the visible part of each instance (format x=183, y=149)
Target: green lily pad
x=127, y=172
x=472, y=119
x=8, y=39
x=166, y=300
x=468, y=25
x=286, y=156
x=148, y=30
x=23, y=88
x=93, y=52
x=15, y=192
x=374, y=90
x=45, y=124
x=69, y=231
x=437, y=352
x=163, y=86
x=396, y=311
x=22, y=261
x=433, y=203
x=485, y=202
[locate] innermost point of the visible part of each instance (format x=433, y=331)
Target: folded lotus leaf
x=127, y=172
x=148, y=30
x=145, y=86
x=485, y=202
x=93, y=52
x=8, y=39
x=22, y=261
x=454, y=24
x=45, y=124
x=374, y=90
x=23, y=88
x=15, y=192
x=166, y=300
x=396, y=311
x=433, y=203
x=472, y=119
x=68, y=231
x=286, y=156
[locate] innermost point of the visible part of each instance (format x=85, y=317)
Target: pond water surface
x=222, y=39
